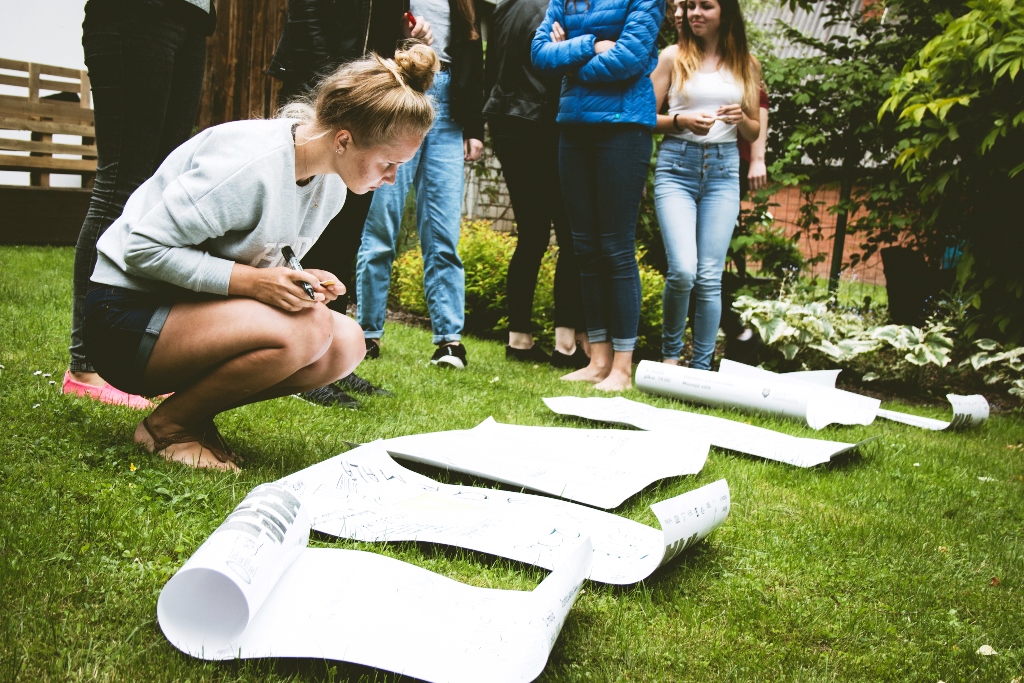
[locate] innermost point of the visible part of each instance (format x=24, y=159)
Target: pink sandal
x=105, y=394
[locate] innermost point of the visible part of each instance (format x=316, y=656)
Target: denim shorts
x=120, y=329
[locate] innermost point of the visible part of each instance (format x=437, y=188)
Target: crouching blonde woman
x=191, y=294
x=713, y=87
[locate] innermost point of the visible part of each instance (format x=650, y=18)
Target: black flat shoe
x=328, y=396
x=579, y=359
x=534, y=354
x=358, y=385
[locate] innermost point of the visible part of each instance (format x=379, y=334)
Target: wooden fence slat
x=46, y=147
x=13, y=65
x=55, y=127
x=11, y=162
x=58, y=111
x=62, y=71
x=48, y=69
x=44, y=83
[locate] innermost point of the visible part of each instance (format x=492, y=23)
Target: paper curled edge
x=222, y=605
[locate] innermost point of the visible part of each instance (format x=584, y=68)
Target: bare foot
x=670, y=361
x=93, y=379
x=615, y=381
x=191, y=453
x=591, y=373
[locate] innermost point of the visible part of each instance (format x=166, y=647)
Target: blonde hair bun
x=377, y=100
x=418, y=63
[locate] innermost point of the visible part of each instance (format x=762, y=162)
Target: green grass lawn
x=896, y=565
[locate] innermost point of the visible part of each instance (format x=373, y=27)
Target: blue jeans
x=437, y=171
x=603, y=169
x=697, y=196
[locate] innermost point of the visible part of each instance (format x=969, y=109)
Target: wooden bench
x=38, y=213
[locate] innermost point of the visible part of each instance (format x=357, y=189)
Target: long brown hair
x=468, y=11
x=732, y=45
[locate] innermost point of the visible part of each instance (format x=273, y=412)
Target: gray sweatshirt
x=226, y=196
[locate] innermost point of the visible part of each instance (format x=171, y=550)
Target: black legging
x=146, y=70
x=528, y=152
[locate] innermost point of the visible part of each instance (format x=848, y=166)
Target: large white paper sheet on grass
x=755, y=390
x=254, y=589
x=366, y=496
x=968, y=411
x=724, y=433
x=599, y=467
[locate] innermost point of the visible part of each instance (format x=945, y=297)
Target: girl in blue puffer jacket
x=606, y=51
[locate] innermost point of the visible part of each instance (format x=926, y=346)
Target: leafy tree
x=824, y=121
x=961, y=148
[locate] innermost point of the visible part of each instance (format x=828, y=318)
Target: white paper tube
x=209, y=602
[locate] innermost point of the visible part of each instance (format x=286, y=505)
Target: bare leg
x=621, y=375
x=600, y=365
x=670, y=361
x=223, y=354
x=565, y=340
x=520, y=340
x=584, y=341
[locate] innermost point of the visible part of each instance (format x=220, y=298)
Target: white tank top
x=706, y=92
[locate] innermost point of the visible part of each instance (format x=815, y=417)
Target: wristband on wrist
x=675, y=123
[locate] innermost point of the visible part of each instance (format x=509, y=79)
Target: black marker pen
x=293, y=263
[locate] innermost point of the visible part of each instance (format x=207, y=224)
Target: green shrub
x=811, y=335
x=652, y=284
x=485, y=256
x=1001, y=366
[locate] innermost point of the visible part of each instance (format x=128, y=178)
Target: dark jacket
x=511, y=83
x=320, y=35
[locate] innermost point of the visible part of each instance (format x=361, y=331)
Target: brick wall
x=786, y=214
x=485, y=194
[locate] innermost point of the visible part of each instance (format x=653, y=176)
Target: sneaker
x=578, y=359
x=534, y=354
x=450, y=356
x=105, y=394
x=372, y=349
x=327, y=396
x=358, y=385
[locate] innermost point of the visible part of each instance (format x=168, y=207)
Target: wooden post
x=85, y=99
x=839, y=241
x=236, y=85
x=37, y=178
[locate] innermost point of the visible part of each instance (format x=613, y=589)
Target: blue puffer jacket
x=614, y=86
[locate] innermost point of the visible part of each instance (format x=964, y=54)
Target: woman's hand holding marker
x=280, y=287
